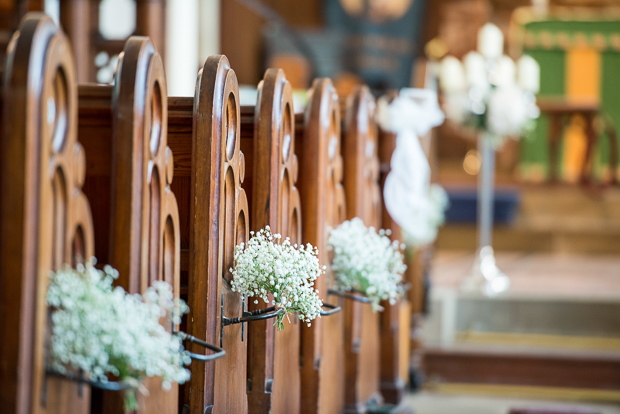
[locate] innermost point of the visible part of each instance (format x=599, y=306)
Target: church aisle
x=432, y=403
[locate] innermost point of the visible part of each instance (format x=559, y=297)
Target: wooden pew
x=267, y=132
x=124, y=130
x=417, y=275
x=45, y=219
x=200, y=130
x=318, y=142
x=396, y=319
x=209, y=171
x=406, y=320
x=363, y=200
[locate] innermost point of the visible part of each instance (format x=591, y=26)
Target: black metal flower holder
x=219, y=352
x=108, y=386
x=332, y=309
x=257, y=315
x=355, y=295
x=261, y=315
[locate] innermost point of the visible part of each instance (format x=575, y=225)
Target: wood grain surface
x=205, y=131
x=363, y=199
x=318, y=143
x=273, y=382
x=45, y=218
x=395, y=319
x=129, y=174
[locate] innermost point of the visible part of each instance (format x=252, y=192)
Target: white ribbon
x=411, y=202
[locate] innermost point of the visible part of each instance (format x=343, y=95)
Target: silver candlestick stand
x=485, y=276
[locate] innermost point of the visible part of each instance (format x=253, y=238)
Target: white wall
x=182, y=40
x=192, y=34
x=209, y=42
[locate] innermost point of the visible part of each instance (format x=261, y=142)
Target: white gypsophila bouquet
x=265, y=266
x=102, y=330
x=366, y=261
x=488, y=92
x=431, y=213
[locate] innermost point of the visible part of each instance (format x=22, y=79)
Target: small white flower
x=268, y=266
x=367, y=261
x=102, y=330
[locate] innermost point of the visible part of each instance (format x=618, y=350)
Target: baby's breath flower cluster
x=266, y=265
x=103, y=330
x=366, y=261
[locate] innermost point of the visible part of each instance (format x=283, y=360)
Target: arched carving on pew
x=144, y=209
x=274, y=128
x=361, y=140
x=274, y=384
x=45, y=219
x=218, y=170
x=145, y=240
x=361, y=175
x=323, y=196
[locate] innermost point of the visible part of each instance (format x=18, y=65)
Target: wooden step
x=525, y=366
x=596, y=239
x=550, y=219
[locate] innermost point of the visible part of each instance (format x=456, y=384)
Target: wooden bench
x=129, y=172
x=45, y=219
x=395, y=319
x=208, y=175
x=184, y=230
x=363, y=200
x=209, y=170
x=267, y=132
x=318, y=145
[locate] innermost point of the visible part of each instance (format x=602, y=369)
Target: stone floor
x=430, y=403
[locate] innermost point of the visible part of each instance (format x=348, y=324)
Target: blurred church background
x=552, y=342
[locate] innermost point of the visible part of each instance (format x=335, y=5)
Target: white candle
x=490, y=41
x=506, y=72
x=452, y=75
x=528, y=73
x=541, y=6
x=476, y=71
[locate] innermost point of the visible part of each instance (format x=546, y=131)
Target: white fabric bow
x=415, y=205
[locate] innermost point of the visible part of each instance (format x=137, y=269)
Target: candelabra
x=495, y=97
